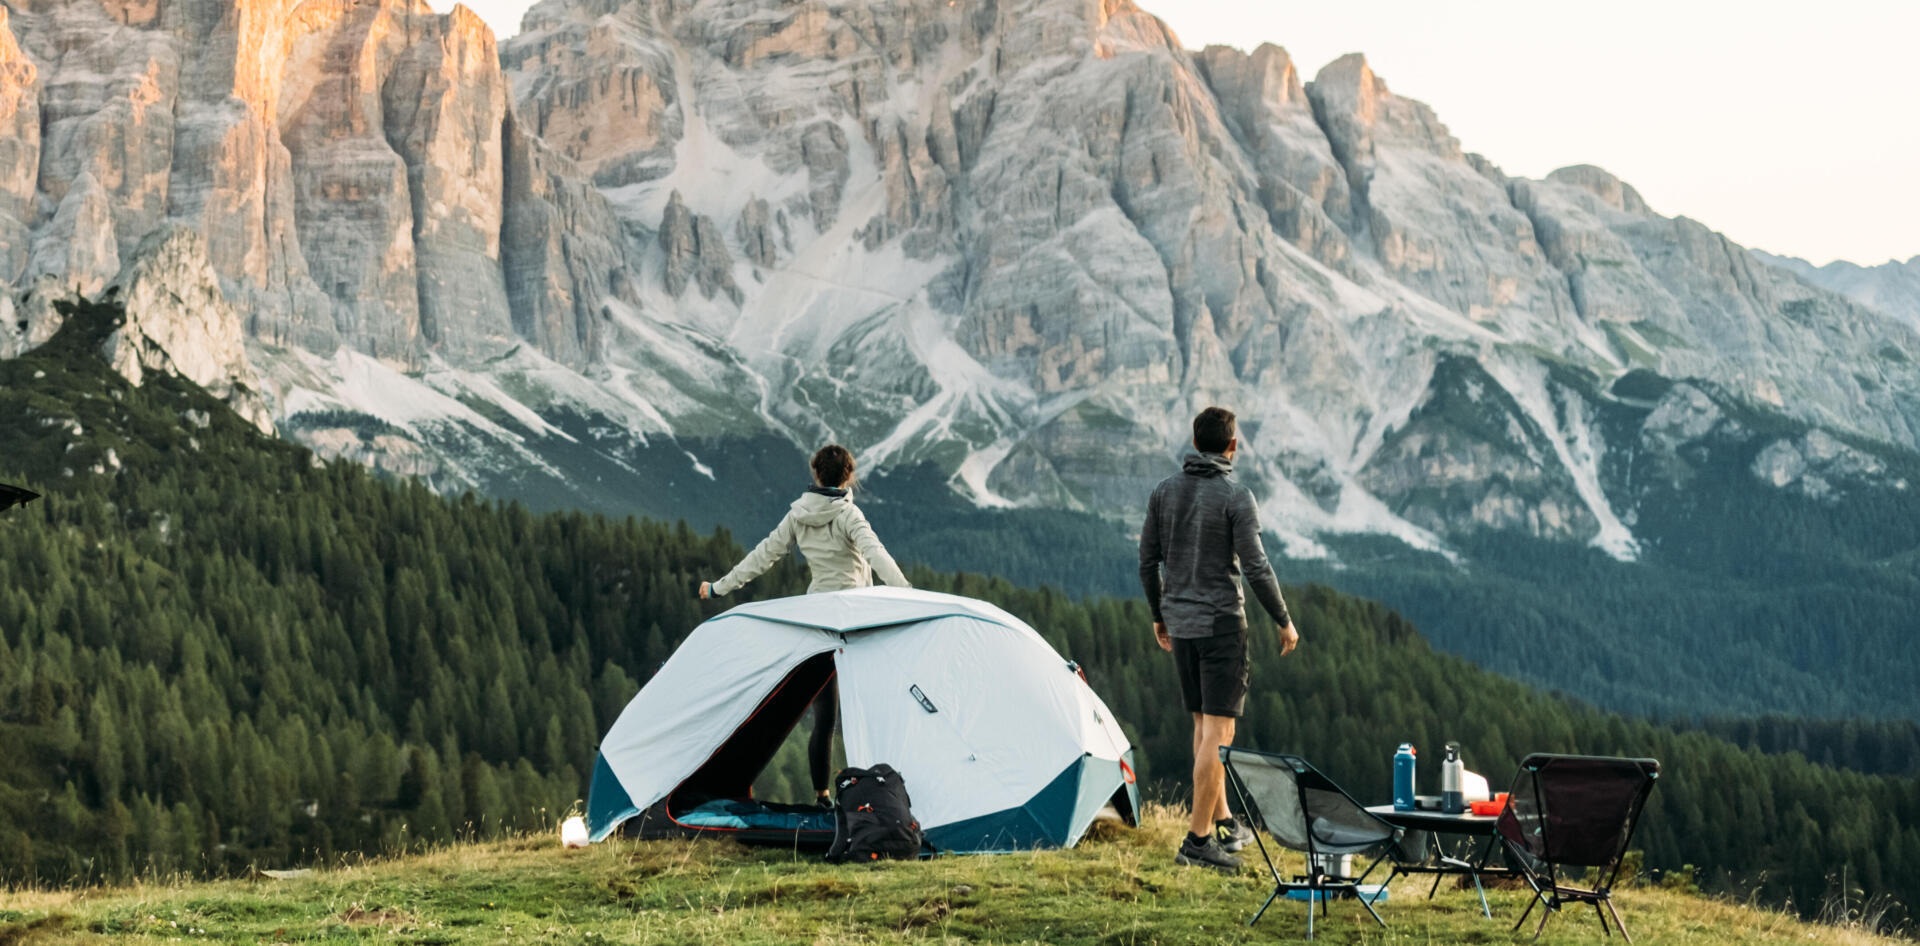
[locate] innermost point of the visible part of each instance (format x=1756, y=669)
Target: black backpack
x=874, y=817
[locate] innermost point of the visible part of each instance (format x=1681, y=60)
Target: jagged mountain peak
x=1266, y=75
x=1614, y=192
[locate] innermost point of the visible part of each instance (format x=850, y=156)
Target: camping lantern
x=573, y=832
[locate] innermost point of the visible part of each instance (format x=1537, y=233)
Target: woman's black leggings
x=826, y=708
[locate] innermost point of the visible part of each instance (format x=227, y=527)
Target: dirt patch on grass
x=812, y=888
x=926, y=913
x=932, y=910
x=1130, y=889
x=628, y=886
x=359, y=915
x=19, y=934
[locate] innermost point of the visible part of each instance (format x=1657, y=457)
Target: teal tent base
x=608, y=804
x=1056, y=817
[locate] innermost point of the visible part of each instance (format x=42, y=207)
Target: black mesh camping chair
x=1574, y=811
x=1288, y=798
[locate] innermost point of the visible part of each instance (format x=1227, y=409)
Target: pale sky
x=1790, y=126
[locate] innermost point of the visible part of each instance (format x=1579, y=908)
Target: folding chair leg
x=1263, y=907
x=1486, y=856
x=1523, y=916
x=1617, y=921
x=1543, y=920
x=1604, y=928
x=1436, y=886
x=1365, y=902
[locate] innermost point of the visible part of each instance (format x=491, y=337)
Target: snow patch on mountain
x=1562, y=417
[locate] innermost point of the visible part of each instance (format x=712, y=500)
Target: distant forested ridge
x=216, y=652
x=1876, y=747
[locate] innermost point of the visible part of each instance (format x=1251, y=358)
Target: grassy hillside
x=1120, y=887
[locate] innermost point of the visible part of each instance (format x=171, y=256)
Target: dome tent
x=1003, y=744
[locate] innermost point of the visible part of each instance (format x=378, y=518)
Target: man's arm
x=1152, y=553
x=1255, y=567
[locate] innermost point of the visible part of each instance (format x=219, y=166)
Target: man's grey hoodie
x=1203, y=531
x=840, y=547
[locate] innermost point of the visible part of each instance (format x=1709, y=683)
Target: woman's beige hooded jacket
x=840, y=547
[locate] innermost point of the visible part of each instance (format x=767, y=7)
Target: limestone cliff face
x=1301, y=182
x=604, y=102
x=19, y=151
x=1019, y=240
x=345, y=164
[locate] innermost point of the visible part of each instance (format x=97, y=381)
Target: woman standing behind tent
x=841, y=551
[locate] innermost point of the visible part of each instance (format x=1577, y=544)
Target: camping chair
x=1574, y=811
x=1288, y=798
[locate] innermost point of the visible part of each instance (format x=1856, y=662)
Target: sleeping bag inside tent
x=1003, y=745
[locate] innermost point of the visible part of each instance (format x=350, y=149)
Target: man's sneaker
x=1232, y=834
x=1205, y=852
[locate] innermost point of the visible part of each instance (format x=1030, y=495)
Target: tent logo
x=925, y=703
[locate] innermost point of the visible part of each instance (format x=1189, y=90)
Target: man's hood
x=1207, y=465
x=819, y=508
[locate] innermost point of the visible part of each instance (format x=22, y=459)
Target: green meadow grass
x=1119, y=887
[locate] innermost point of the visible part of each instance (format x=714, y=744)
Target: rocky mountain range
x=1017, y=242
x=1891, y=287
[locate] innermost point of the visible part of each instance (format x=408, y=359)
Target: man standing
x=1203, y=531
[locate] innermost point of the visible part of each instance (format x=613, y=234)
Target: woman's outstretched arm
x=870, y=548
x=771, y=549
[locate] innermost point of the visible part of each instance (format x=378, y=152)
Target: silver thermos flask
x=1452, y=774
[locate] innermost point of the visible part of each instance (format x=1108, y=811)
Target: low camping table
x=1438, y=861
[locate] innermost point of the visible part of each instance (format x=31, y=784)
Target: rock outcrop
x=179, y=321
x=563, y=253
x=695, y=253
x=1301, y=183
x=601, y=94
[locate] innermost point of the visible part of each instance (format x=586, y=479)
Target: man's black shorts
x=1213, y=672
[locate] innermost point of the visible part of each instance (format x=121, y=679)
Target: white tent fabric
x=969, y=703
x=1010, y=715
x=704, y=692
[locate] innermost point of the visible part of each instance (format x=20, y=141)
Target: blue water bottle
x=1403, y=778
